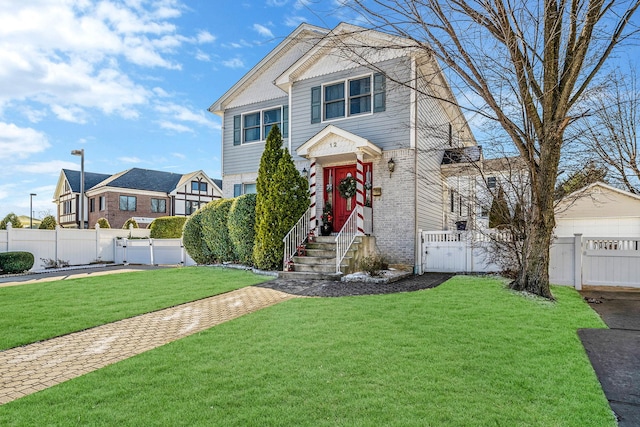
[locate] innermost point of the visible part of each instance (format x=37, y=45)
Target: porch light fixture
x=304, y=171
x=81, y=154
x=392, y=166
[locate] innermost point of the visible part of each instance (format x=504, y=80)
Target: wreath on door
x=347, y=187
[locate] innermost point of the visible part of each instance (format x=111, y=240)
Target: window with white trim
x=256, y=125
x=348, y=98
x=158, y=205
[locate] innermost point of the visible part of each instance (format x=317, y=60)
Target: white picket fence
x=574, y=261
x=82, y=247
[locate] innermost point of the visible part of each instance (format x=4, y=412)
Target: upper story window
x=127, y=203
x=66, y=207
x=103, y=203
x=158, y=205
x=348, y=98
x=255, y=126
x=198, y=186
x=491, y=182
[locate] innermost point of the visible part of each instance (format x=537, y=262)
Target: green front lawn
x=468, y=353
x=38, y=311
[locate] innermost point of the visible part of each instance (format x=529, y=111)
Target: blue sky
x=129, y=81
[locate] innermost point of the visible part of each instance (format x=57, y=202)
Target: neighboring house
x=386, y=124
x=471, y=182
x=136, y=193
x=599, y=210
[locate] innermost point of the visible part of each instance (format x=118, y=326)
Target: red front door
x=342, y=207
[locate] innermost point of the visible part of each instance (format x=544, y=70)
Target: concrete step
x=325, y=239
x=315, y=268
x=301, y=275
x=322, y=246
x=315, y=260
x=321, y=253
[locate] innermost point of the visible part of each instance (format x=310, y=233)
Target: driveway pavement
x=615, y=352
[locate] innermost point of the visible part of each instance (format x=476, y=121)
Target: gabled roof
x=302, y=31
x=91, y=179
x=593, y=187
x=143, y=179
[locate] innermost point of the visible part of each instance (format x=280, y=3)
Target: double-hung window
x=255, y=126
x=362, y=95
x=127, y=203
x=251, y=127
x=334, y=101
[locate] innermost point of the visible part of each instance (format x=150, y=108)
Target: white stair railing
x=295, y=237
x=345, y=237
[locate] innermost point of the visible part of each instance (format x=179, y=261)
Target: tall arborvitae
x=284, y=199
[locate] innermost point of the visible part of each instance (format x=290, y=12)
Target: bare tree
x=611, y=133
x=530, y=63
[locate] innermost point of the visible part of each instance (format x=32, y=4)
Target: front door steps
x=319, y=263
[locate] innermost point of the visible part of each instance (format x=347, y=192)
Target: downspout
x=417, y=242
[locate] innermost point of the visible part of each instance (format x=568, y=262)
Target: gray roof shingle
x=91, y=179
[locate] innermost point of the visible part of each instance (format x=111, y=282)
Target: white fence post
x=151, y=251
x=9, y=236
x=577, y=261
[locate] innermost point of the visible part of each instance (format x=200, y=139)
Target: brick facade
x=116, y=217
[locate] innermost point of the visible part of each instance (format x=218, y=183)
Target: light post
x=31, y=209
x=81, y=154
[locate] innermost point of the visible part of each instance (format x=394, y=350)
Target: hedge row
x=167, y=227
x=222, y=231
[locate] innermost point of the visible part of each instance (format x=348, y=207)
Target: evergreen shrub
x=129, y=222
x=193, y=239
x=216, y=232
x=242, y=227
x=13, y=219
x=16, y=262
x=48, y=223
x=103, y=223
x=167, y=227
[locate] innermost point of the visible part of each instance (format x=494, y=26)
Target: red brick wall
x=117, y=218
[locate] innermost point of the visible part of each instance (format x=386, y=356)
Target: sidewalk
x=34, y=367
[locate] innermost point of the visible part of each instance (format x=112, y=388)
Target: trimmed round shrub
x=129, y=222
x=193, y=239
x=48, y=223
x=16, y=262
x=216, y=232
x=167, y=227
x=242, y=227
x=103, y=223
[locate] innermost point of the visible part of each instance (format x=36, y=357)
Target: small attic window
x=491, y=182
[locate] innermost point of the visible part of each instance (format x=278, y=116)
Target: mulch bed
x=329, y=288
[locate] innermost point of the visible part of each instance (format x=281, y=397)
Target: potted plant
x=327, y=220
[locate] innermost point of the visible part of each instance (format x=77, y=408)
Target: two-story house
x=141, y=194
x=369, y=114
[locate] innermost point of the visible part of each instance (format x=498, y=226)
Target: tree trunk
x=534, y=274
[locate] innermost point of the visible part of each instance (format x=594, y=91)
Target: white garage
x=599, y=210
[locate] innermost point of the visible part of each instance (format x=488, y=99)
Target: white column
x=312, y=191
x=360, y=191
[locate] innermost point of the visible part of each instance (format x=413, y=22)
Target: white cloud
x=71, y=54
x=294, y=21
x=277, y=3
x=127, y=159
x=301, y=4
x=184, y=114
x=233, y=63
x=262, y=30
x=17, y=142
x=201, y=56
x=179, y=156
x=205, y=37
x=174, y=127
x=52, y=167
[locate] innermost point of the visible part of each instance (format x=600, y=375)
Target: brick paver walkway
x=25, y=370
